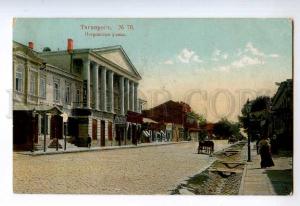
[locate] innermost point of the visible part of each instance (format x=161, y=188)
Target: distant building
x=93, y=92
x=282, y=114
x=177, y=118
x=209, y=128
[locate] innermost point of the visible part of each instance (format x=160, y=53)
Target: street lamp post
x=248, y=107
x=45, y=126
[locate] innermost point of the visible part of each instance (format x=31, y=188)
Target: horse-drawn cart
x=206, y=146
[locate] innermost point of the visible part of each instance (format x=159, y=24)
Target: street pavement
x=277, y=180
x=141, y=170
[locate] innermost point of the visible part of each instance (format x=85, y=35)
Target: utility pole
x=248, y=107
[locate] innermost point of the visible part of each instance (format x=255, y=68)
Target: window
x=67, y=93
x=43, y=87
x=19, y=81
x=32, y=88
x=77, y=96
x=56, y=90
x=110, y=131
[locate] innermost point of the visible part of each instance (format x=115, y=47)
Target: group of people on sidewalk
x=263, y=146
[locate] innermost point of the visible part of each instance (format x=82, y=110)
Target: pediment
x=118, y=57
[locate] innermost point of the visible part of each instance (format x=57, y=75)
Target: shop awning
x=146, y=133
x=148, y=120
x=134, y=117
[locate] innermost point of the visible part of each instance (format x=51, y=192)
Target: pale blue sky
x=185, y=55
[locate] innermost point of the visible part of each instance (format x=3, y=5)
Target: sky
x=214, y=65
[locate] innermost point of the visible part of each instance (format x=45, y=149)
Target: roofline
x=92, y=51
x=138, y=77
x=163, y=104
x=280, y=90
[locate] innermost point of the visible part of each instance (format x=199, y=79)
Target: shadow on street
x=282, y=181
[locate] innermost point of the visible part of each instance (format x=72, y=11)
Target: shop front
x=134, y=127
x=35, y=127
x=120, y=127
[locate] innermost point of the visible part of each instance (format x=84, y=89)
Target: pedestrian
x=89, y=141
x=265, y=153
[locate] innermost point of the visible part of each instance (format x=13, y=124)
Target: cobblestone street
x=145, y=170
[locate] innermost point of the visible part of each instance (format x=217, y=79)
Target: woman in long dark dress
x=265, y=154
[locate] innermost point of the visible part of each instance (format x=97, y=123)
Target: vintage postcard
x=145, y=106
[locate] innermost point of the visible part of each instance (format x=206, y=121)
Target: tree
x=259, y=108
x=199, y=117
x=225, y=129
x=46, y=49
x=260, y=103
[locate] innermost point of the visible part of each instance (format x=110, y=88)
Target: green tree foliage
x=225, y=129
x=200, y=118
x=46, y=49
x=251, y=122
x=260, y=103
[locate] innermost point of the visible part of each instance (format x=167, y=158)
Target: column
x=111, y=91
x=131, y=93
x=103, y=89
x=135, y=97
x=126, y=95
x=86, y=84
x=95, y=86
x=40, y=124
x=121, y=96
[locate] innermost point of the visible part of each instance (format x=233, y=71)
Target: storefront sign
x=120, y=119
x=169, y=126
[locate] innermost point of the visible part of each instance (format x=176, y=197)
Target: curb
x=185, y=179
x=241, y=189
x=95, y=149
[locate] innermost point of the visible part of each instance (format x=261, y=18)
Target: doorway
x=102, y=138
x=56, y=127
x=94, y=129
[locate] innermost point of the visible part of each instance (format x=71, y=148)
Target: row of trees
x=225, y=129
x=254, y=120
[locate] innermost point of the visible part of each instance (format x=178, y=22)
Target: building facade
x=281, y=118
x=177, y=118
x=77, y=92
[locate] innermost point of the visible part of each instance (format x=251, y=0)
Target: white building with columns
x=99, y=97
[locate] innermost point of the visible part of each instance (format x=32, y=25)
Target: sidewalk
x=51, y=151
x=277, y=180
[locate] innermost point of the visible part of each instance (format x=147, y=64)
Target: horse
x=207, y=146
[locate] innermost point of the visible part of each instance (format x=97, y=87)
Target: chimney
x=30, y=45
x=70, y=45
